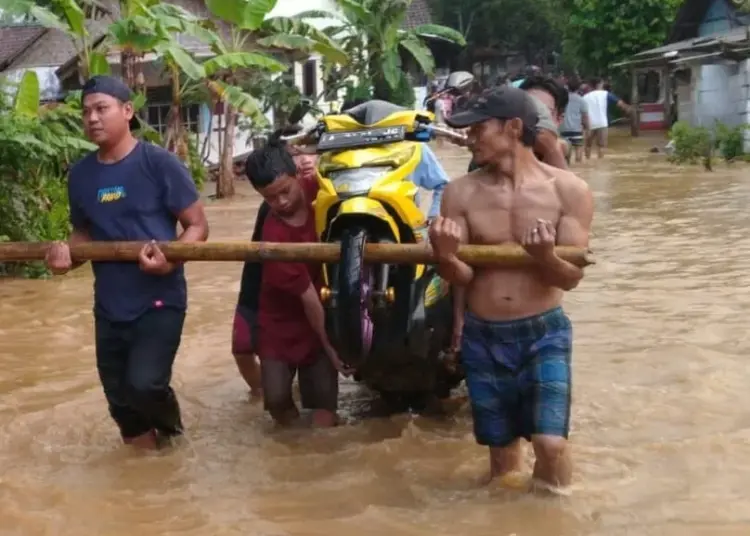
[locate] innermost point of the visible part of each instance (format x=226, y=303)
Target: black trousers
x=134, y=360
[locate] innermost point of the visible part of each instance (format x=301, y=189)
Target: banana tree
x=252, y=35
x=135, y=33
x=150, y=28
x=69, y=17
x=374, y=28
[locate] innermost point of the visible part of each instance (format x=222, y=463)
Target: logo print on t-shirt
x=108, y=195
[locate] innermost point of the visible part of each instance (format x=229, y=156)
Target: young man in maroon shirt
x=245, y=324
x=291, y=320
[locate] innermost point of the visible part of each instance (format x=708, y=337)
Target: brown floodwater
x=661, y=420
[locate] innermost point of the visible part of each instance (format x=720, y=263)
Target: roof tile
x=15, y=39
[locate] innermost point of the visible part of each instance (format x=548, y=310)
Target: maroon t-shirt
x=284, y=332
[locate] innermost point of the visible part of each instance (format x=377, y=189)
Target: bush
x=730, y=141
x=691, y=144
x=35, y=153
x=694, y=144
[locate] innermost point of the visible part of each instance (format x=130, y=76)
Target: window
x=310, y=78
x=159, y=111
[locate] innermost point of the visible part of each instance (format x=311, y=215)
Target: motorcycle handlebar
x=445, y=132
x=296, y=138
x=436, y=130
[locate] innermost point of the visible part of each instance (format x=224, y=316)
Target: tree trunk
x=225, y=182
x=128, y=62
x=175, y=136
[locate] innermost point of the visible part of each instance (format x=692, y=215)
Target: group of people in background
x=573, y=114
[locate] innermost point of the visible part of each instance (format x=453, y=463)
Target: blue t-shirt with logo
x=137, y=198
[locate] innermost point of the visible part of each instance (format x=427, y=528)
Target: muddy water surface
x=661, y=424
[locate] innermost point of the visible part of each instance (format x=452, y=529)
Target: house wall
x=722, y=93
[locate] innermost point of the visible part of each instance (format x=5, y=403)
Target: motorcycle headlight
x=357, y=181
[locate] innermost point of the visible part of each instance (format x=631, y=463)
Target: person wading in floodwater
x=516, y=341
x=132, y=190
x=245, y=324
x=292, y=338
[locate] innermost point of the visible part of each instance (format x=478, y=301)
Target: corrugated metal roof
x=735, y=39
x=735, y=35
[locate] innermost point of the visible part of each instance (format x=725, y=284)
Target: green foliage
x=531, y=27
x=691, y=144
x=599, y=33
x=358, y=91
x=372, y=34
x=403, y=94
x=28, y=95
x=35, y=154
x=730, y=141
x=697, y=144
x=195, y=164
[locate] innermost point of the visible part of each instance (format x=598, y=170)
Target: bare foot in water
x=514, y=480
x=255, y=395
x=545, y=489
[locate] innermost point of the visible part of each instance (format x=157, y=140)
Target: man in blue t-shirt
x=132, y=190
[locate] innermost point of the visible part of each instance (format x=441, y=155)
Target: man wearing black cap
x=516, y=339
x=132, y=190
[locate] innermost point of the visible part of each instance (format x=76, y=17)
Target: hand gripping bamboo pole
x=509, y=255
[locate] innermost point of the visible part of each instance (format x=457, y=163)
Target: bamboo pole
x=502, y=256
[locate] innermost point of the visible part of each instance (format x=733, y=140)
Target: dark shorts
x=519, y=376
x=318, y=384
x=244, y=331
x=134, y=360
x=574, y=138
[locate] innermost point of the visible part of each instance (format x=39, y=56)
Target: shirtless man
x=516, y=341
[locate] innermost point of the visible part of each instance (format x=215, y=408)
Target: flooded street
x=661, y=415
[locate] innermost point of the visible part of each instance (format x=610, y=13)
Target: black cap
x=108, y=85
x=503, y=102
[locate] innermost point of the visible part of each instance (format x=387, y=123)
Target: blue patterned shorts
x=519, y=377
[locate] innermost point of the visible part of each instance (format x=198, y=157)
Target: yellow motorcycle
x=392, y=323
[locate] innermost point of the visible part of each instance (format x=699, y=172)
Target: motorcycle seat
x=370, y=112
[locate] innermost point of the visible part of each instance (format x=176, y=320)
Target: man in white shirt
x=597, y=101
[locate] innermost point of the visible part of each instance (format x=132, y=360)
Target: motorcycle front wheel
x=353, y=297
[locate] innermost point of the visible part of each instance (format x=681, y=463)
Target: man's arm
x=182, y=198
x=78, y=222
x=315, y=314
x=451, y=268
x=548, y=147
x=573, y=229
x=617, y=101
x=78, y=236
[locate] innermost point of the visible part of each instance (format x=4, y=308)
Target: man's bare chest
x=503, y=215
